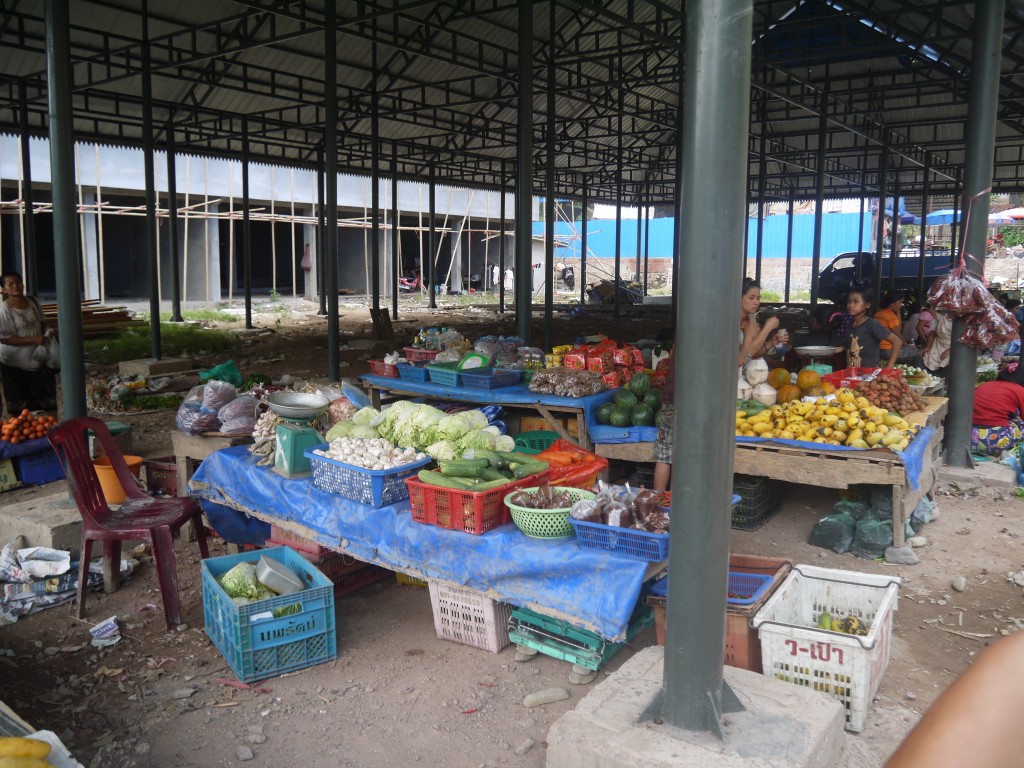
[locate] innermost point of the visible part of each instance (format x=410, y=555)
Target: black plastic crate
x=760, y=498
x=645, y=475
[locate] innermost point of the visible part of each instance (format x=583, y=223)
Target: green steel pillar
x=983, y=101
x=150, y=181
x=432, y=240
x=880, y=233
x=762, y=173
x=65, y=222
x=331, y=188
x=524, y=175
x=246, y=226
x=28, y=248
x=819, y=190
x=396, y=233
x=321, y=236
x=549, y=186
x=374, y=181
x=647, y=240
x=924, y=213
x=713, y=146
x=583, y=247
x=789, y=249
x=172, y=226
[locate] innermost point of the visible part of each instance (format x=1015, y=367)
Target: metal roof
x=890, y=71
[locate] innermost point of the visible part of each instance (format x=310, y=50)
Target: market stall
x=594, y=589
x=910, y=473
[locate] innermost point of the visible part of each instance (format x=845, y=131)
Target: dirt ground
x=397, y=695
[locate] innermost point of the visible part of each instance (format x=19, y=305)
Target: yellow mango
x=862, y=402
x=845, y=396
x=786, y=435
x=829, y=419
x=857, y=434
x=893, y=438
x=857, y=443
x=848, y=407
x=17, y=746
x=761, y=427
x=874, y=439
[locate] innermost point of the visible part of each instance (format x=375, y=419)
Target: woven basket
x=546, y=523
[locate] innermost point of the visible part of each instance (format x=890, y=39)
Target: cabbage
x=341, y=429
x=477, y=419
x=504, y=443
x=442, y=450
x=493, y=430
x=241, y=581
x=365, y=416
x=453, y=427
x=479, y=439
x=426, y=416
x=363, y=431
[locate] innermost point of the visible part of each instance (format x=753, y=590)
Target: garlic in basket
x=375, y=454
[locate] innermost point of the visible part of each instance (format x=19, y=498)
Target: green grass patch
x=176, y=341
x=206, y=315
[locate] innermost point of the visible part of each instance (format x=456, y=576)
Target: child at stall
x=868, y=332
x=663, y=445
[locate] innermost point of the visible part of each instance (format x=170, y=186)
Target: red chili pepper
x=469, y=711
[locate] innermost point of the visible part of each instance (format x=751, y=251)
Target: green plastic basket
x=546, y=523
x=534, y=442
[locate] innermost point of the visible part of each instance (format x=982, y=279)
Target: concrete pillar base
x=52, y=520
x=783, y=725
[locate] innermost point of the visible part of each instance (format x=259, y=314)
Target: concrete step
x=47, y=520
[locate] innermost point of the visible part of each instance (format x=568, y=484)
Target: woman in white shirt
x=24, y=377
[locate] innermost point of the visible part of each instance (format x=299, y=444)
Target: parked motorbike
x=409, y=283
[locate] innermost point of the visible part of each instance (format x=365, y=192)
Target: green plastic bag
x=224, y=372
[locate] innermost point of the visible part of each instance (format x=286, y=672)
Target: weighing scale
x=811, y=353
x=295, y=436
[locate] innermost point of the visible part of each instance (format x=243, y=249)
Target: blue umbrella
x=938, y=218
x=905, y=218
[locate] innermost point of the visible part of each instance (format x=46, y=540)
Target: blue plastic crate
x=39, y=468
x=626, y=541
x=273, y=636
x=744, y=588
x=375, y=488
x=445, y=374
x=490, y=378
x=408, y=372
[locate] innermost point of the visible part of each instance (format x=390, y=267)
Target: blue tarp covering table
x=590, y=588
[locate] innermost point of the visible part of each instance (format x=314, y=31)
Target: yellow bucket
x=112, y=490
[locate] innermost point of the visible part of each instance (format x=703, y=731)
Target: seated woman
x=24, y=377
x=997, y=423
x=755, y=340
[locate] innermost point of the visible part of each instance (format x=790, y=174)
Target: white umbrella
x=1014, y=213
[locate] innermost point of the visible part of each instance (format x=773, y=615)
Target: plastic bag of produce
x=193, y=419
x=217, y=394
x=881, y=502
x=872, y=538
x=833, y=532
x=226, y=371
x=242, y=407
x=242, y=425
x=858, y=509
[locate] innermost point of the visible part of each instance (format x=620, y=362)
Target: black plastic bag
x=833, y=532
x=872, y=538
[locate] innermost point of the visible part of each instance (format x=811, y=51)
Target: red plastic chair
x=139, y=517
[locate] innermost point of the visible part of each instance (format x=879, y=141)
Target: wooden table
x=190, y=450
x=830, y=469
x=546, y=407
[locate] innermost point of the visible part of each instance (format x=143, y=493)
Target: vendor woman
x=755, y=340
x=997, y=423
x=26, y=381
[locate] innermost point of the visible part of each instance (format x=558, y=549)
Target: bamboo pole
x=99, y=229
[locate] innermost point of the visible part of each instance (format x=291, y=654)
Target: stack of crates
x=760, y=498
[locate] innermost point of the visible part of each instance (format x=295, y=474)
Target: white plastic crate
x=847, y=667
x=466, y=616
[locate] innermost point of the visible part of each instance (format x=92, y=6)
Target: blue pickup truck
x=835, y=277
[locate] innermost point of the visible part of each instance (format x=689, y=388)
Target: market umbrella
x=999, y=218
x=905, y=218
x=941, y=217
x=1014, y=213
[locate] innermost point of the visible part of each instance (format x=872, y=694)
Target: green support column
x=921, y=240
x=983, y=101
x=331, y=188
x=789, y=250
x=396, y=232
x=880, y=233
x=583, y=248
x=246, y=226
x=29, y=246
x=713, y=147
x=149, y=175
x=819, y=191
x=524, y=176
x=321, y=234
x=374, y=185
x=172, y=226
x=549, y=186
x=65, y=225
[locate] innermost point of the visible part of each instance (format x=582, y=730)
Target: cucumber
x=429, y=477
x=492, y=458
x=489, y=473
x=490, y=485
x=463, y=467
x=526, y=468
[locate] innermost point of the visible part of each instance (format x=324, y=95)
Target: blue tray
x=752, y=585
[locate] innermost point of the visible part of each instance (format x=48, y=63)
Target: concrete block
x=783, y=725
x=986, y=474
x=149, y=366
x=52, y=520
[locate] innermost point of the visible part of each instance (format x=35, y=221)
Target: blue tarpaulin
x=592, y=589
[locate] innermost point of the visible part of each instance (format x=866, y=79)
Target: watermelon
x=643, y=416
x=625, y=399
x=653, y=398
x=604, y=413
x=621, y=417
x=640, y=384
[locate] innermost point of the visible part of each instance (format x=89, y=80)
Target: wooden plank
x=637, y=452
x=933, y=415
x=822, y=469
x=554, y=423
x=382, y=328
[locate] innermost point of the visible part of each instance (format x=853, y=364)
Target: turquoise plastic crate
x=445, y=374
x=273, y=636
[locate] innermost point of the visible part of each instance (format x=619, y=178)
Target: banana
x=16, y=746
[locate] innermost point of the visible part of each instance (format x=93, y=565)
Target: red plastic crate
x=418, y=356
x=380, y=368
x=848, y=377
x=469, y=511
x=282, y=537
x=162, y=475
x=355, y=579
